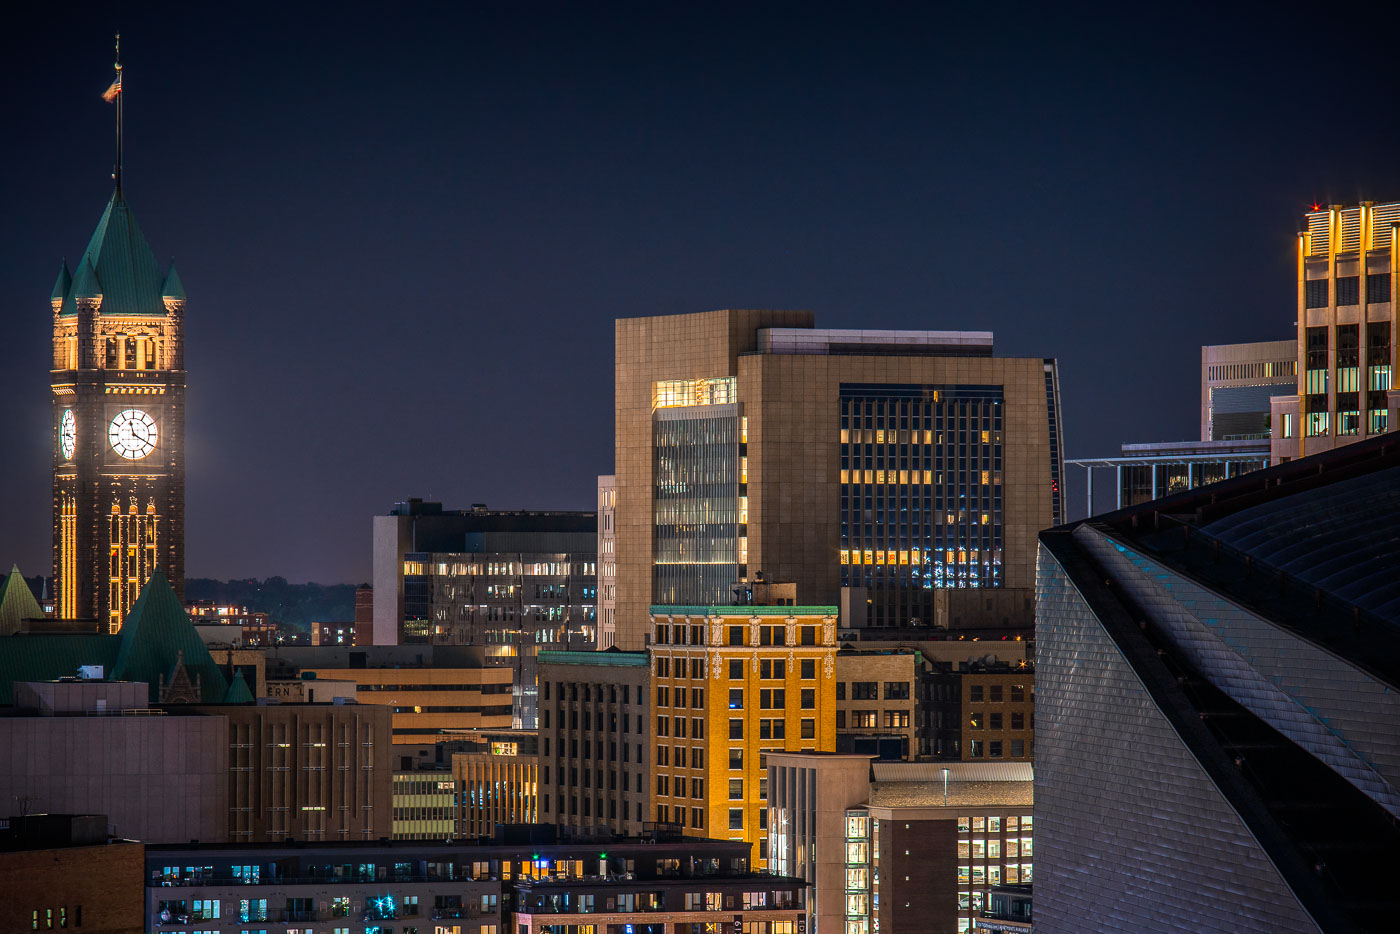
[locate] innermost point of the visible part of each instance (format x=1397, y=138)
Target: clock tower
x=118, y=382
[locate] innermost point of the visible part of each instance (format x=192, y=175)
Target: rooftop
x=841, y=341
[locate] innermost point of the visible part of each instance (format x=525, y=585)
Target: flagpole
x=118, y=173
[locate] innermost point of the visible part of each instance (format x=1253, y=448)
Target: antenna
x=114, y=93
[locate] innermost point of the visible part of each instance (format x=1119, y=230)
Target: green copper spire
x=173, y=287
x=85, y=285
x=127, y=275
x=17, y=602
x=152, y=633
x=60, y=287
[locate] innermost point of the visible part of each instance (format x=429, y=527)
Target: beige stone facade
x=315, y=772
x=788, y=397
x=877, y=696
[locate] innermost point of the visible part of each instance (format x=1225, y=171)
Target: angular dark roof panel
x=60, y=287
x=153, y=632
x=17, y=602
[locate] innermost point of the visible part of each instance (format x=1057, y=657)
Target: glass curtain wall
x=696, y=505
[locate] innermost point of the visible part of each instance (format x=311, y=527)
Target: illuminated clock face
x=132, y=434
x=67, y=435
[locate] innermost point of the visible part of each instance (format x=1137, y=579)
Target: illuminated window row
x=672, y=393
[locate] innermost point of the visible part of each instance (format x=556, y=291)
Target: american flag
x=111, y=93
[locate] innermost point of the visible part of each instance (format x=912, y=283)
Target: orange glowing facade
x=118, y=391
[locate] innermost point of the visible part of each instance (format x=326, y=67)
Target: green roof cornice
x=742, y=610
x=60, y=287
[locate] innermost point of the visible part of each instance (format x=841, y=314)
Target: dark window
x=974, y=693
x=994, y=749
x=1018, y=721
x=809, y=669
x=809, y=728
x=1378, y=287
x=840, y=690
x=1348, y=290
x=809, y=699
x=736, y=670
x=865, y=690
x=736, y=729
x=736, y=759
x=1315, y=293
x=896, y=690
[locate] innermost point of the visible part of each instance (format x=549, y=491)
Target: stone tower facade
x=118, y=383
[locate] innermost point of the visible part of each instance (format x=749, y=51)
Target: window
x=974, y=720
x=995, y=692
x=976, y=748
x=863, y=719
x=896, y=690
x=896, y=719
x=809, y=728
x=1018, y=693
x=809, y=699
x=772, y=669
x=736, y=789
x=1378, y=287
x=1018, y=748
x=974, y=693
x=1315, y=293
x=772, y=699
x=736, y=759
x=736, y=698
x=736, y=637
x=736, y=669
x=1018, y=721
x=736, y=728
x=809, y=665
x=840, y=719
x=772, y=729
x=840, y=690
x=995, y=723
x=994, y=749
x=1348, y=290
x=736, y=818
x=865, y=690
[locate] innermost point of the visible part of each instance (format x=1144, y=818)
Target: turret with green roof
x=17, y=602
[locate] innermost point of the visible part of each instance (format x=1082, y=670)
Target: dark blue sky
x=405, y=230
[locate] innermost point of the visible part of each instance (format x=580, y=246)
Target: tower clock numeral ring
x=132, y=434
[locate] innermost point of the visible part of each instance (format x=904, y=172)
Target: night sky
x=406, y=229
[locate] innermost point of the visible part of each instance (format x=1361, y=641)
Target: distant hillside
x=293, y=605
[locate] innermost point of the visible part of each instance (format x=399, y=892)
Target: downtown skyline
x=455, y=207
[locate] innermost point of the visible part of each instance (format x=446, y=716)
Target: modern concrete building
x=899, y=846
x=425, y=804
x=607, y=561
x=907, y=463
x=99, y=747
x=61, y=872
x=307, y=772
x=499, y=784
x=1218, y=681
x=512, y=582
x=1346, y=321
x=1237, y=382
x=730, y=686
x=595, y=741
x=437, y=692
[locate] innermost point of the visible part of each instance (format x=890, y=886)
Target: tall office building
x=1346, y=331
x=511, y=581
x=1218, y=683
x=1238, y=384
x=118, y=394
x=903, y=465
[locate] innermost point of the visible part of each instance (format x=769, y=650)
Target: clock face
x=67, y=435
x=132, y=434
